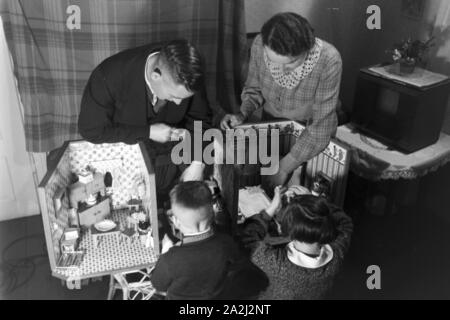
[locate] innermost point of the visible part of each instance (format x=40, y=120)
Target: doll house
x=84, y=204
x=326, y=171
x=325, y=174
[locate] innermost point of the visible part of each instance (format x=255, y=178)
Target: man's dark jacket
x=116, y=105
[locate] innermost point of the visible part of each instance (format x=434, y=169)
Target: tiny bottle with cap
x=221, y=216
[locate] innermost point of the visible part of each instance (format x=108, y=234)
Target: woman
x=292, y=75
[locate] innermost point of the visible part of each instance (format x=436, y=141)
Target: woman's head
x=306, y=218
x=287, y=38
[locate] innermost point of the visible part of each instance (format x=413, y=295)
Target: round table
x=375, y=161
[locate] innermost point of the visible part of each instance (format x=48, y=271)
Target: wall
x=343, y=23
x=17, y=183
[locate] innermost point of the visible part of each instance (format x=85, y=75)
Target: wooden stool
x=132, y=290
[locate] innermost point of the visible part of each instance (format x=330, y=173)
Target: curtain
x=440, y=21
x=54, y=52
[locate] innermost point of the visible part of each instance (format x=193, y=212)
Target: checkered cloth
x=53, y=63
x=313, y=101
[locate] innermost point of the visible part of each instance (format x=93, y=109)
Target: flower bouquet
x=408, y=53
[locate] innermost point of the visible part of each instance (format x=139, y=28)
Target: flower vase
x=407, y=67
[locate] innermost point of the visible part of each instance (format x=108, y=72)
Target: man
x=153, y=94
x=292, y=75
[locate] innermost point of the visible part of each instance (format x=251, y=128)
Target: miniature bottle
x=221, y=217
x=144, y=231
x=73, y=217
x=108, y=181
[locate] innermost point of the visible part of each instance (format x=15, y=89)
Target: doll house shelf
x=130, y=168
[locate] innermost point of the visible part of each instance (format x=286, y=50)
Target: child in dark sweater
x=200, y=265
x=302, y=261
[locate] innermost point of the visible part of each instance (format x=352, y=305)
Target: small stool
x=132, y=290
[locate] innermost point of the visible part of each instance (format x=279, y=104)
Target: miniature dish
x=105, y=225
x=85, y=176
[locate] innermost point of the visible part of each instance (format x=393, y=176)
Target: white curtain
x=440, y=20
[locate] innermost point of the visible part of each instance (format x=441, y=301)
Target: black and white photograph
x=230, y=152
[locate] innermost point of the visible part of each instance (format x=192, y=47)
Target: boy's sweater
x=287, y=280
x=197, y=270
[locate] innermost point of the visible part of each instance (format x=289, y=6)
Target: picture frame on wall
x=413, y=8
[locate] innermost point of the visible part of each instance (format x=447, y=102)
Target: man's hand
x=230, y=121
x=194, y=172
x=177, y=134
x=162, y=133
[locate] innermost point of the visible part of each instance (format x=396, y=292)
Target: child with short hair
x=303, y=261
x=198, y=266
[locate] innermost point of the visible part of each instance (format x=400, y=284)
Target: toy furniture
x=95, y=213
x=98, y=235
x=128, y=236
x=134, y=204
x=69, y=240
x=104, y=254
x=80, y=191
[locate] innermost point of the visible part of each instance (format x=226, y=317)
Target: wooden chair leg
x=125, y=293
x=112, y=288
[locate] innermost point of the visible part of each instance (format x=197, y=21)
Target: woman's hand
x=275, y=205
x=278, y=179
x=229, y=121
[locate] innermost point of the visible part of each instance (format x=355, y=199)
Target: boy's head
x=191, y=203
x=306, y=218
x=178, y=73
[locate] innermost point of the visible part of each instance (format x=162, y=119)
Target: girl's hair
x=307, y=218
x=288, y=34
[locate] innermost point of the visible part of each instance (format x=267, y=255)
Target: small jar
x=73, y=217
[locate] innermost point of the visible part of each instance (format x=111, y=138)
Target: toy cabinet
x=99, y=210
x=329, y=168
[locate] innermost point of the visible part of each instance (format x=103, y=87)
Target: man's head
x=178, y=71
x=192, y=209
x=287, y=38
